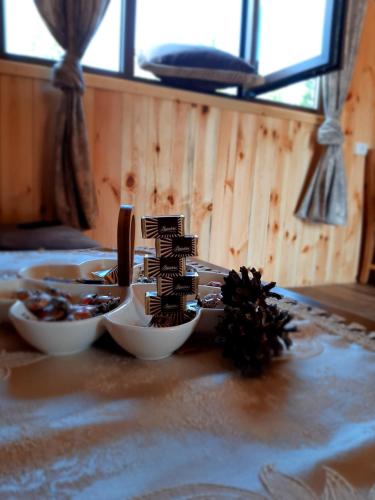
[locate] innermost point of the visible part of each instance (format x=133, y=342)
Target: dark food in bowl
x=211, y=301
x=52, y=305
x=218, y=284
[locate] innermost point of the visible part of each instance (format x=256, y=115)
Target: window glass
x=304, y=94
x=214, y=23
x=22, y=16
x=105, y=47
x=292, y=39
x=291, y=31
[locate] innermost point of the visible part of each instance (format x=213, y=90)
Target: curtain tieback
x=330, y=132
x=67, y=73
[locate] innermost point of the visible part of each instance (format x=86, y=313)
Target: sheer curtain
x=325, y=200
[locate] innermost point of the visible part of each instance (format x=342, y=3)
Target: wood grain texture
x=235, y=170
x=106, y=162
x=19, y=193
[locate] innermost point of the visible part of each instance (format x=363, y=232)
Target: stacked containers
x=174, y=283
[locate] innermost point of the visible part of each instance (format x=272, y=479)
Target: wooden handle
x=125, y=244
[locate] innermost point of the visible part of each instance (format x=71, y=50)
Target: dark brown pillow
x=198, y=67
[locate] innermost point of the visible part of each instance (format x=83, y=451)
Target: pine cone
x=252, y=331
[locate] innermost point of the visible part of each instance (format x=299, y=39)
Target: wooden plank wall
x=235, y=170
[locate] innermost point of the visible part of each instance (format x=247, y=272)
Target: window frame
x=247, y=50
x=332, y=43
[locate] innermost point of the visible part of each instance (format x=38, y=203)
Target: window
x=220, y=30
x=304, y=94
x=22, y=16
x=290, y=42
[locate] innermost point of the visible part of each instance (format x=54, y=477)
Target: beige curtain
x=73, y=24
x=325, y=200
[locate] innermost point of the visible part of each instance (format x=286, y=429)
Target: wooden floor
x=354, y=301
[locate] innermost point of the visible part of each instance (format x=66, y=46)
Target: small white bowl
x=128, y=325
x=60, y=338
x=56, y=272
x=209, y=318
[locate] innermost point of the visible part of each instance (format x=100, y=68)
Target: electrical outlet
x=360, y=148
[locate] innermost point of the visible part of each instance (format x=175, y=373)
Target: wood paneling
x=19, y=195
x=234, y=169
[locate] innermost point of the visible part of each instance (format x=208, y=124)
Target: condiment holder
x=156, y=321
x=128, y=324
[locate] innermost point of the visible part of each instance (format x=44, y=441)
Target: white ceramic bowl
x=209, y=318
x=61, y=338
x=53, y=274
x=56, y=272
x=128, y=325
x=58, y=338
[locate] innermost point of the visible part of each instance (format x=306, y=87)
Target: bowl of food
x=133, y=330
x=61, y=323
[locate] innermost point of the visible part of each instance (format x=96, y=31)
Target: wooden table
x=102, y=424
x=305, y=299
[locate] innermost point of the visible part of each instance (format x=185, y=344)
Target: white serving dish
x=61, y=338
x=128, y=325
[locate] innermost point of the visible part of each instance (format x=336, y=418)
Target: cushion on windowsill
x=198, y=67
x=35, y=237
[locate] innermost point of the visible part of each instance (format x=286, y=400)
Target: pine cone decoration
x=251, y=331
